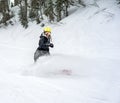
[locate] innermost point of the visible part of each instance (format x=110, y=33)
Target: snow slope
x=83, y=66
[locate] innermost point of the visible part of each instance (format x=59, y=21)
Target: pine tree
x=16, y=2
x=4, y=9
x=59, y=8
x=81, y=2
x=23, y=13
x=49, y=11
x=32, y=13
x=36, y=10
x=41, y=6
x=67, y=4
x=62, y=8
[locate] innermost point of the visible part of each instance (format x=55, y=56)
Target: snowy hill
x=83, y=66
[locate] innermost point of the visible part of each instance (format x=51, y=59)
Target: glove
x=51, y=45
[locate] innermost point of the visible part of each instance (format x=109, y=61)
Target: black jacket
x=44, y=43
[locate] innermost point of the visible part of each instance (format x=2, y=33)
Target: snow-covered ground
x=84, y=66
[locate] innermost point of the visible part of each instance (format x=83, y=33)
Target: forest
x=37, y=10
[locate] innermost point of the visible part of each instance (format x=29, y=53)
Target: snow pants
x=38, y=53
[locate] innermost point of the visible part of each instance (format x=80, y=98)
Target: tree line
x=36, y=10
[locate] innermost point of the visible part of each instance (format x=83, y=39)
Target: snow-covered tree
x=5, y=12
x=36, y=10
x=16, y=2
x=23, y=13
x=49, y=11
x=66, y=5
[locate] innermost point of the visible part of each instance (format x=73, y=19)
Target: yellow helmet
x=48, y=29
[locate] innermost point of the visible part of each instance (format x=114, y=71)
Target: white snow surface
x=84, y=66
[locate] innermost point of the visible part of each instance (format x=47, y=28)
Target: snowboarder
x=44, y=44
